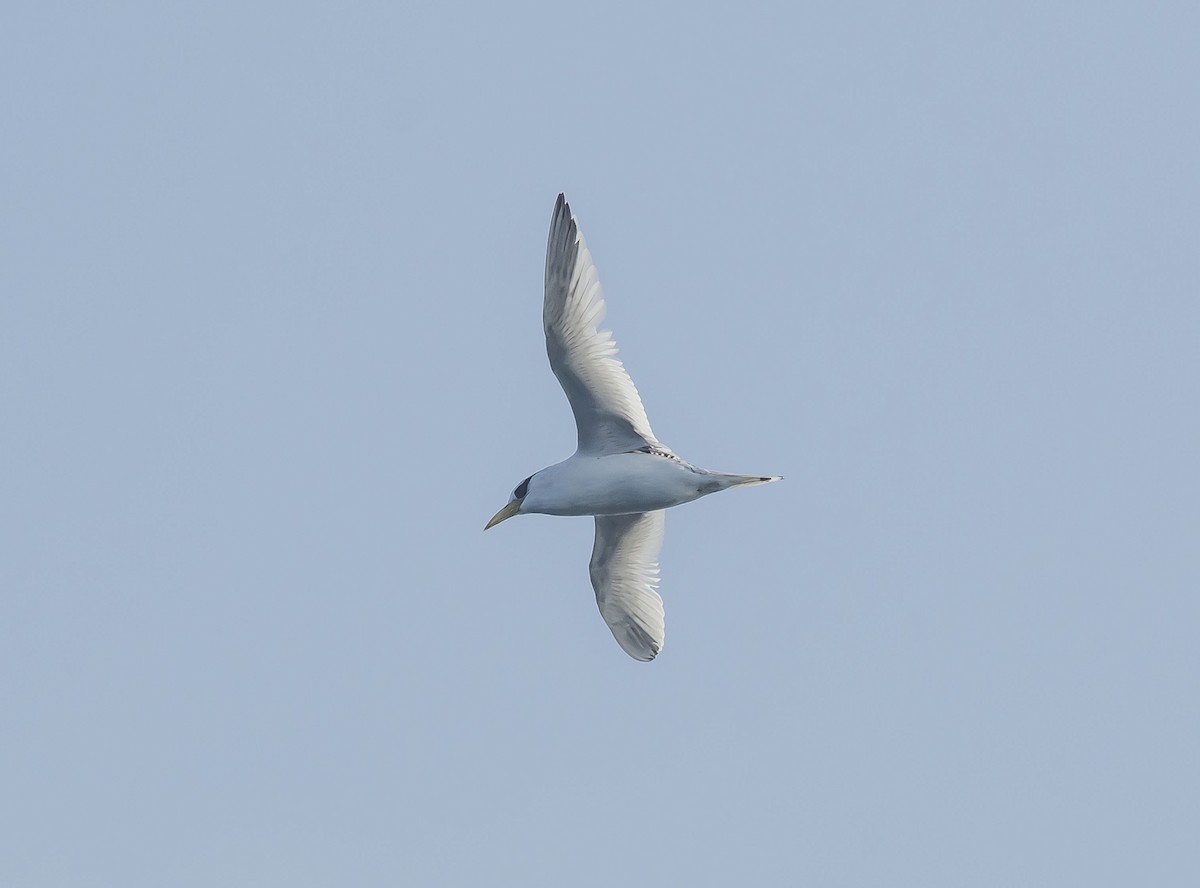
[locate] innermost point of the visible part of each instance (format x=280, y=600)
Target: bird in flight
x=620, y=472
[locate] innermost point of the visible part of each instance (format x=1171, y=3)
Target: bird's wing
x=624, y=571
x=609, y=415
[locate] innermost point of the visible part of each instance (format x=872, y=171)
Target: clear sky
x=271, y=355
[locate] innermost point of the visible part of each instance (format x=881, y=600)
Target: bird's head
x=514, y=504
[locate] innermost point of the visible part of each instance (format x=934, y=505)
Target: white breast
x=614, y=485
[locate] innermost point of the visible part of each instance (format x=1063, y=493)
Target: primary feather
x=609, y=415
x=624, y=570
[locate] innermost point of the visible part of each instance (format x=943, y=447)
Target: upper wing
x=624, y=571
x=608, y=412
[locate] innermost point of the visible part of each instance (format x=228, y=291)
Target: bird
x=620, y=472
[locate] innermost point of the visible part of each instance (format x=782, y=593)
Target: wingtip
x=564, y=230
x=562, y=210
x=645, y=656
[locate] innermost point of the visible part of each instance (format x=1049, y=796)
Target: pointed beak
x=507, y=512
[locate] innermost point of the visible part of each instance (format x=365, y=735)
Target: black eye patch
x=523, y=489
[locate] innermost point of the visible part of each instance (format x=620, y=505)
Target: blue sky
x=270, y=356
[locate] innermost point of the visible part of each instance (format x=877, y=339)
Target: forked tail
x=747, y=480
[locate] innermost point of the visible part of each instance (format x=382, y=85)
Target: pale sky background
x=271, y=355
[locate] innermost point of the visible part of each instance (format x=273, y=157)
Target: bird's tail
x=746, y=480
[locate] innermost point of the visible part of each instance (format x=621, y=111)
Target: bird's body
x=623, y=483
x=620, y=472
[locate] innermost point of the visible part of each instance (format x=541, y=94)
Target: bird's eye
x=522, y=488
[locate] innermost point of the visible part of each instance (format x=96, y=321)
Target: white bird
x=620, y=472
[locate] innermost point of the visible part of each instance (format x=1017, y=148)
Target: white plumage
x=619, y=472
x=624, y=570
x=608, y=410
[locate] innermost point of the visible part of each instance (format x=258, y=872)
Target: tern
x=620, y=472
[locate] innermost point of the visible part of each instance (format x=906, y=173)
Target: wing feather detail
x=624, y=570
x=609, y=415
